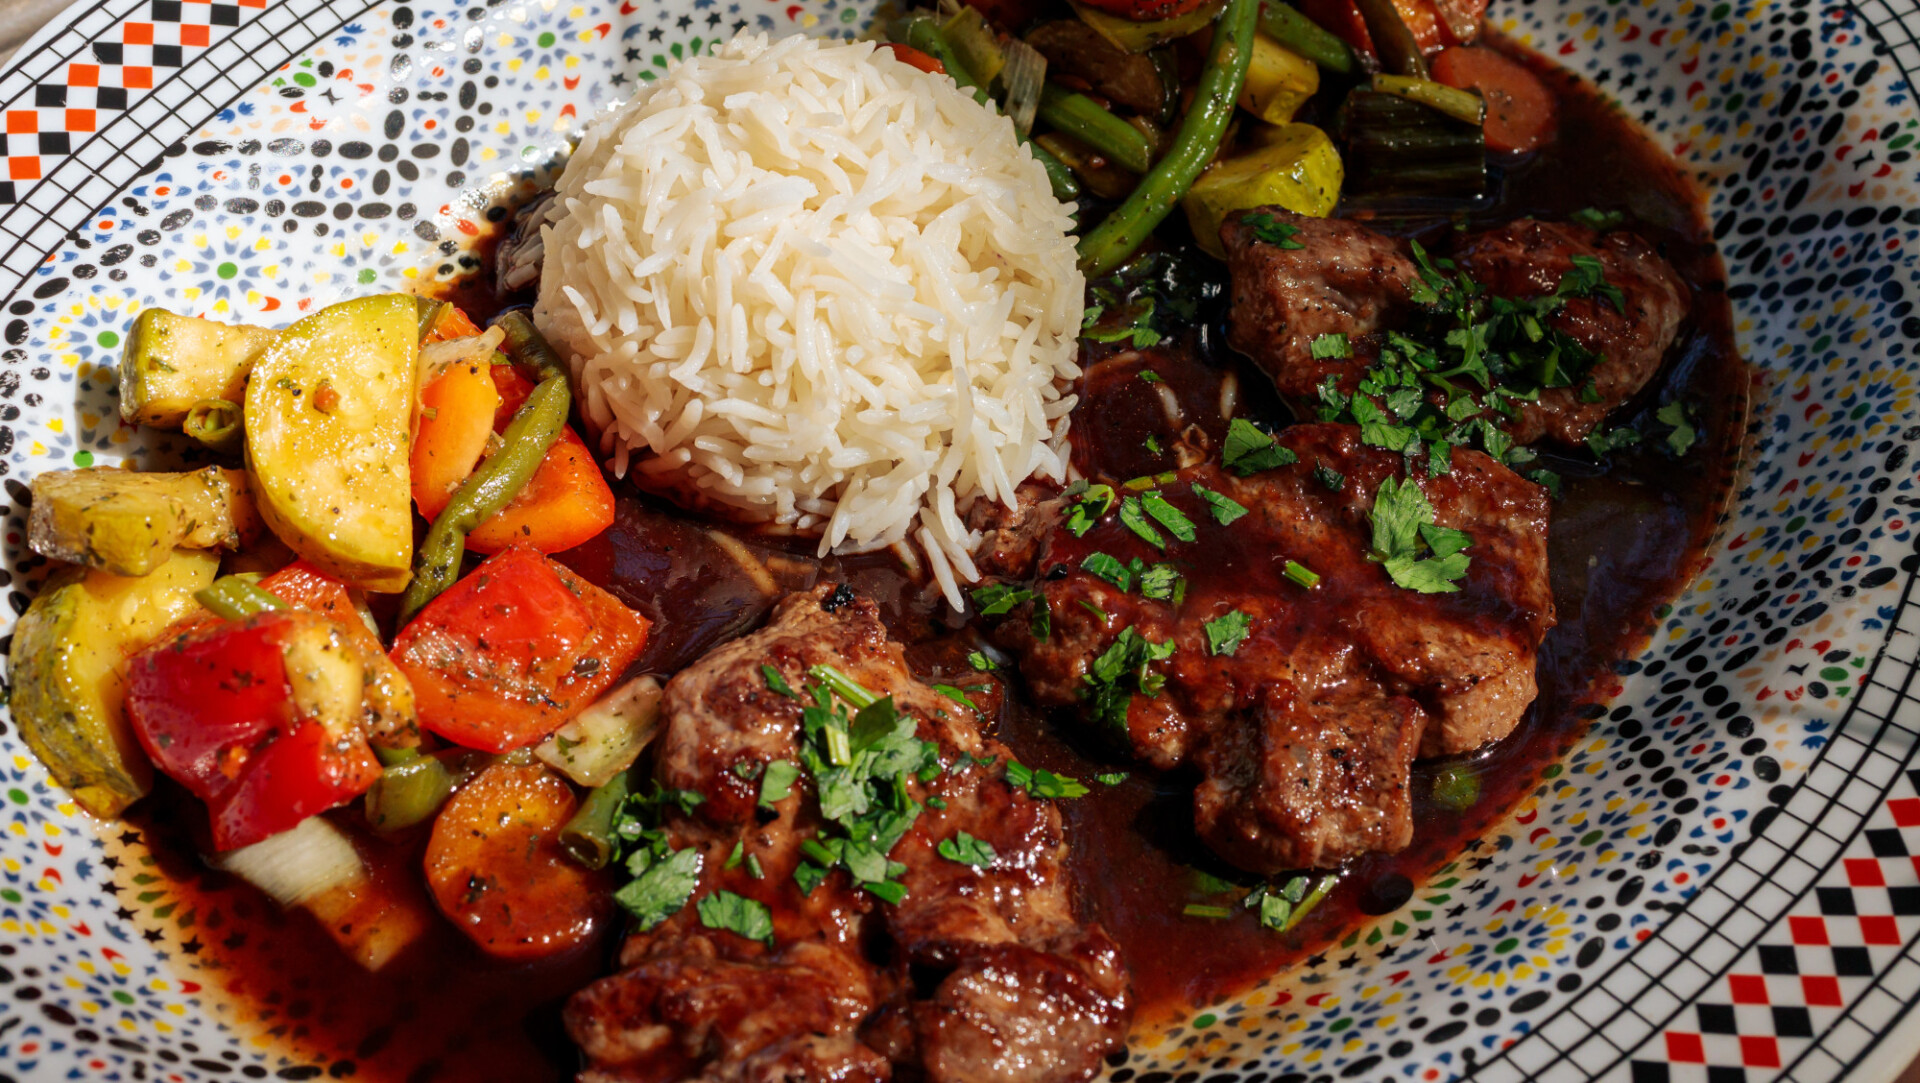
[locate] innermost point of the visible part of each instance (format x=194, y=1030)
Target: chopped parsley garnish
x=1225, y=509
x=1598, y=220
x=1226, y=633
x=737, y=914
x=1134, y=518
x=1152, y=444
x=1604, y=442
x=1043, y=783
x=964, y=849
x=1247, y=450
x=1161, y=583
x=1331, y=346
x=1282, y=908
x=1683, y=435
x=1110, y=778
x=1301, y=574
x=1456, y=787
x=1109, y=569
x=776, y=682
x=955, y=695
x=1151, y=376
x=777, y=781
x=1094, y=502
x=1168, y=516
x=1403, y=525
x=980, y=662
x=734, y=858
x=1547, y=479
x=1121, y=670
x=1269, y=230
x=808, y=876
x=1133, y=324
x=663, y=880
x=997, y=598
x=1326, y=475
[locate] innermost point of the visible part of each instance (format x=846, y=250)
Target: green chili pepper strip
x=925, y=35
x=235, y=598
x=588, y=837
x=215, y=425
x=409, y=792
x=1117, y=238
x=1304, y=36
x=492, y=486
x=1082, y=118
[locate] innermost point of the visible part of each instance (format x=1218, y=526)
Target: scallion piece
x=1301, y=574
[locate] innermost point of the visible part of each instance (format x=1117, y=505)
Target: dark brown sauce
x=1623, y=543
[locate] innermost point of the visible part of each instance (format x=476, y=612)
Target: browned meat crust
x=978, y=974
x=1306, y=732
x=1346, y=278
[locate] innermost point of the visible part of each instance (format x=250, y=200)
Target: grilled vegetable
x=1398, y=149
x=565, y=502
x=1085, y=120
x=1521, y=115
x=259, y=718
x=129, y=523
x=1120, y=235
x=413, y=786
x=456, y=424
x=1140, y=36
x=68, y=669
x=1279, y=81
x=315, y=867
x=327, y=416
x=1464, y=106
x=1400, y=52
x=215, y=425
x=172, y=362
x=604, y=740
x=1299, y=34
x=388, y=715
x=497, y=869
x=1297, y=168
x=1074, y=48
x=1101, y=177
x=507, y=654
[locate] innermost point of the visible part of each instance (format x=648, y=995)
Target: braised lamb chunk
x=1297, y=280
x=1529, y=259
x=1303, y=706
x=980, y=970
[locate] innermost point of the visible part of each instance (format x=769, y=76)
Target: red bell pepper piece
x=214, y=708
x=503, y=657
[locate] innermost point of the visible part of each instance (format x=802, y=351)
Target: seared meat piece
x=976, y=974
x=1346, y=278
x=1342, y=278
x=1305, y=731
x=1526, y=259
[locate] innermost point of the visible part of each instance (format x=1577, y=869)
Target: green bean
x=409, y=792
x=1284, y=24
x=215, y=424
x=528, y=347
x=1082, y=118
x=1114, y=240
x=588, y=836
x=235, y=598
x=491, y=486
x=429, y=310
x=924, y=34
x=1066, y=187
x=1399, y=51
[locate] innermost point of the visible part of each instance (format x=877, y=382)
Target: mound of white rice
x=816, y=286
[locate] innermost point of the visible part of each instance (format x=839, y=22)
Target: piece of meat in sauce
x=1305, y=734
x=977, y=974
x=1347, y=278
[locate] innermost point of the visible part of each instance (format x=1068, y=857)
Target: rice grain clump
x=812, y=285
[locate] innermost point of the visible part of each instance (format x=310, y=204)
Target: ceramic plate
x=1720, y=882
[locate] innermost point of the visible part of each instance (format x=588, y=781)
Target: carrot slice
x=1520, y=110
x=497, y=870
x=456, y=421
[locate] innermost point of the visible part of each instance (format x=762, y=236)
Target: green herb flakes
x=1225, y=633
